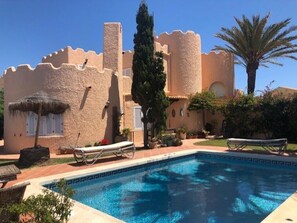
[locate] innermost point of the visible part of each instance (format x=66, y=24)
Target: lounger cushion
x=110, y=147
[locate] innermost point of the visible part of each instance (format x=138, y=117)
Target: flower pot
x=182, y=135
x=152, y=145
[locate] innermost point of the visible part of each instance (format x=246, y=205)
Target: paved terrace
x=284, y=213
x=36, y=172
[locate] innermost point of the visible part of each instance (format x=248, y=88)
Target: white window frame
x=127, y=72
x=135, y=109
x=49, y=125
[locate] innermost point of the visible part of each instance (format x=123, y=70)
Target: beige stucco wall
x=128, y=118
x=127, y=59
x=112, y=47
x=61, y=74
x=285, y=92
x=87, y=121
x=191, y=119
x=166, y=62
x=74, y=56
x=184, y=62
x=58, y=57
x=218, y=68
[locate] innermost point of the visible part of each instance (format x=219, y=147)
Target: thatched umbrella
x=41, y=104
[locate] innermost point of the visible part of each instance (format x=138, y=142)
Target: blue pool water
x=191, y=189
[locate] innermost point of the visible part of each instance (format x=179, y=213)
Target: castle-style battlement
x=160, y=47
x=56, y=53
x=178, y=32
x=20, y=68
x=74, y=56
x=185, y=61
x=215, y=53
x=48, y=68
x=128, y=52
x=219, y=58
x=70, y=50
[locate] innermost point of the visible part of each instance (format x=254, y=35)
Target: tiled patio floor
x=285, y=211
x=36, y=172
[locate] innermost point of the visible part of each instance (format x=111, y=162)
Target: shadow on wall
x=112, y=110
x=83, y=101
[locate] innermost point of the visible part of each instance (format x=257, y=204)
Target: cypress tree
x=148, y=74
x=159, y=102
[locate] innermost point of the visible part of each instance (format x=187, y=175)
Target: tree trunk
x=145, y=131
x=203, y=118
x=145, y=134
x=37, y=126
x=251, y=72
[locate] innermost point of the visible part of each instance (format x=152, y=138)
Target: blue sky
x=31, y=29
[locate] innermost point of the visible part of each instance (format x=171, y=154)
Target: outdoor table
x=8, y=173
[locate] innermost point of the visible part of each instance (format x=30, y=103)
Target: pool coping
x=286, y=212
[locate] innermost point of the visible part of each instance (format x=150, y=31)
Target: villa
x=98, y=89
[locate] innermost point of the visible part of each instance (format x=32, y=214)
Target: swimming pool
x=198, y=188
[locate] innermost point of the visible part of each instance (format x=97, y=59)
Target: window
x=173, y=113
x=137, y=118
x=218, y=89
x=128, y=72
x=49, y=125
x=181, y=112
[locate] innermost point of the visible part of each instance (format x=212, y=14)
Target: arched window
x=173, y=113
x=218, y=89
x=181, y=112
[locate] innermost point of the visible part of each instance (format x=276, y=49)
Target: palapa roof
x=49, y=104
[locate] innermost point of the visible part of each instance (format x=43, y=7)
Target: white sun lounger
x=125, y=148
x=274, y=145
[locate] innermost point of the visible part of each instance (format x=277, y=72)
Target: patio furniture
x=8, y=173
x=9, y=196
x=271, y=145
x=89, y=155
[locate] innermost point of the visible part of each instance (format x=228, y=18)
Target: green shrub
x=167, y=139
x=265, y=116
x=126, y=132
x=182, y=129
x=240, y=114
x=96, y=144
x=176, y=142
x=49, y=207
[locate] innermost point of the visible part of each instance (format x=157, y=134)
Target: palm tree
x=255, y=43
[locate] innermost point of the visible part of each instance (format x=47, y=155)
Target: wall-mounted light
x=89, y=87
x=84, y=64
x=122, y=112
x=107, y=104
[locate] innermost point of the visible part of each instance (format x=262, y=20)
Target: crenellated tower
x=185, y=62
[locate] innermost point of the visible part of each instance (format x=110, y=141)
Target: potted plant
x=181, y=132
x=104, y=142
x=189, y=134
x=126, y=133
x=153, y=142
x=205, y=132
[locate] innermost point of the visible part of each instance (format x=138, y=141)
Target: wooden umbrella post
x=37, y=125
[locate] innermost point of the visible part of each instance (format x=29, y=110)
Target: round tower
x=185, y=62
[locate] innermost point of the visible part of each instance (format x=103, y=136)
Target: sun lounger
x=8, y=173
x=89, y=155
x=274, y=145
